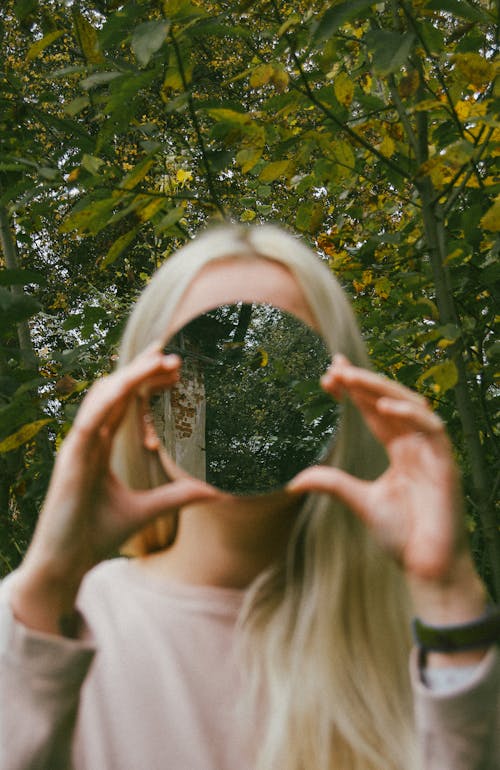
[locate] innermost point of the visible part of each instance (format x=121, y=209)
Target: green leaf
x=432, y=36
x=338, y=15
x=171, y=218
x=15, y=308
x=76, y=105
x=389, y=50
x=86, y=36
x=458, y=8
x=309, y=217
x=133, y=178
x=19, y=277
x=272, y=171
x=23, y=8
x=91, y=164
x=147, y=39
x=91, y=218
x=344, y=155
x=100, y=79
x=182, y=10
x=118, y=247
x=21, y=436
x=40, y=45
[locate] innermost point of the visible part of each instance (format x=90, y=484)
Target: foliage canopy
x=370, y=128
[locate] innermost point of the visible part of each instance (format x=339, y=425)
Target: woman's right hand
x=88, y=512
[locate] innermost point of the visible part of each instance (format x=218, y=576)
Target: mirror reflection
x=249, y=412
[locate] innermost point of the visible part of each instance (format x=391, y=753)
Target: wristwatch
x=482, y=632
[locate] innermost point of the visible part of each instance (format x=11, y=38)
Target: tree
x=370, y=128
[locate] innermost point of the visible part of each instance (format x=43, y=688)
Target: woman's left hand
x=415, y=507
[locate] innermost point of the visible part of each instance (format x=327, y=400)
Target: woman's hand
x=88, y=512
x=415, y=507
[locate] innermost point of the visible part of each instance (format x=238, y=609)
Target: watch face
x=249, y=412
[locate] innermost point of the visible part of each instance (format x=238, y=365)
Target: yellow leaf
x=118, y=247
x=387, y=146
x=445, y=376
x=248, y=157
x=40, y=45
x=428, y=104
x=491, y=220
x=261, y=75
x=248, y=215
x=383, y=287
x=367, y=277
x=173, y=79
x=365, y=82
x=434, y=313
x=475, y=69
x=274, y=170
x=280, y=78
x=147, y=212
x=445, y=343
x=344, y=156
x=468, y=108
x=229, y=116
x=183, y=176
x=22, y=435
x=272, y=73
x=86, y=36
x=344, y=89
x=131, y=179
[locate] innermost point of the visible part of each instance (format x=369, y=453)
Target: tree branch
x=192, y=111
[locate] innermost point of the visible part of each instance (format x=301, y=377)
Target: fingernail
x=172, y=359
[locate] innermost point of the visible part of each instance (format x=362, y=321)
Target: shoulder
x=103, y=586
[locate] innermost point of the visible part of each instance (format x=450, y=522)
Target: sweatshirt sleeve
x=459, y=728
x=40, y=680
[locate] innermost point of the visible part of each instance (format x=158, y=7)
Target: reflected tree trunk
x=180, y=420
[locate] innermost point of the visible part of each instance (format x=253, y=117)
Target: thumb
x=169, y=497
x=333, y=481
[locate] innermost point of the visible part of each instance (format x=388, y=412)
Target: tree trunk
x=180, y=420
x=435, y=234
x=9, y=249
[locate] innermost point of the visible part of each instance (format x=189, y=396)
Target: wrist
x=457, y=599
x=43, y=602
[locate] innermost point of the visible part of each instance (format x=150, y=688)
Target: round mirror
x=249, y=412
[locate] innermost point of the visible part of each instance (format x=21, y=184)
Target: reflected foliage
x=267, y=417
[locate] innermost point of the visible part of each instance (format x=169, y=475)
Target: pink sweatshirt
x=162, y=691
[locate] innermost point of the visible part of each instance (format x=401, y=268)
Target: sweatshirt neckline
x=208, y=597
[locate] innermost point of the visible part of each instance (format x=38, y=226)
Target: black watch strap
x=482, y=632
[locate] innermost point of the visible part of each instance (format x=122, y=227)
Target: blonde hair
x=325, y=635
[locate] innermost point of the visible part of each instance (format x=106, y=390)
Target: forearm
x=41, y=675
x=44, y=601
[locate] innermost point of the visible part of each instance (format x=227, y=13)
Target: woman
x=265, y=632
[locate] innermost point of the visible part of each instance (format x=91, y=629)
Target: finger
x=107, y=400
x=168, y=497
x=155, y=384
x=411, y=416
x=333, y=481
x=397, y=414
x=343, y=376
